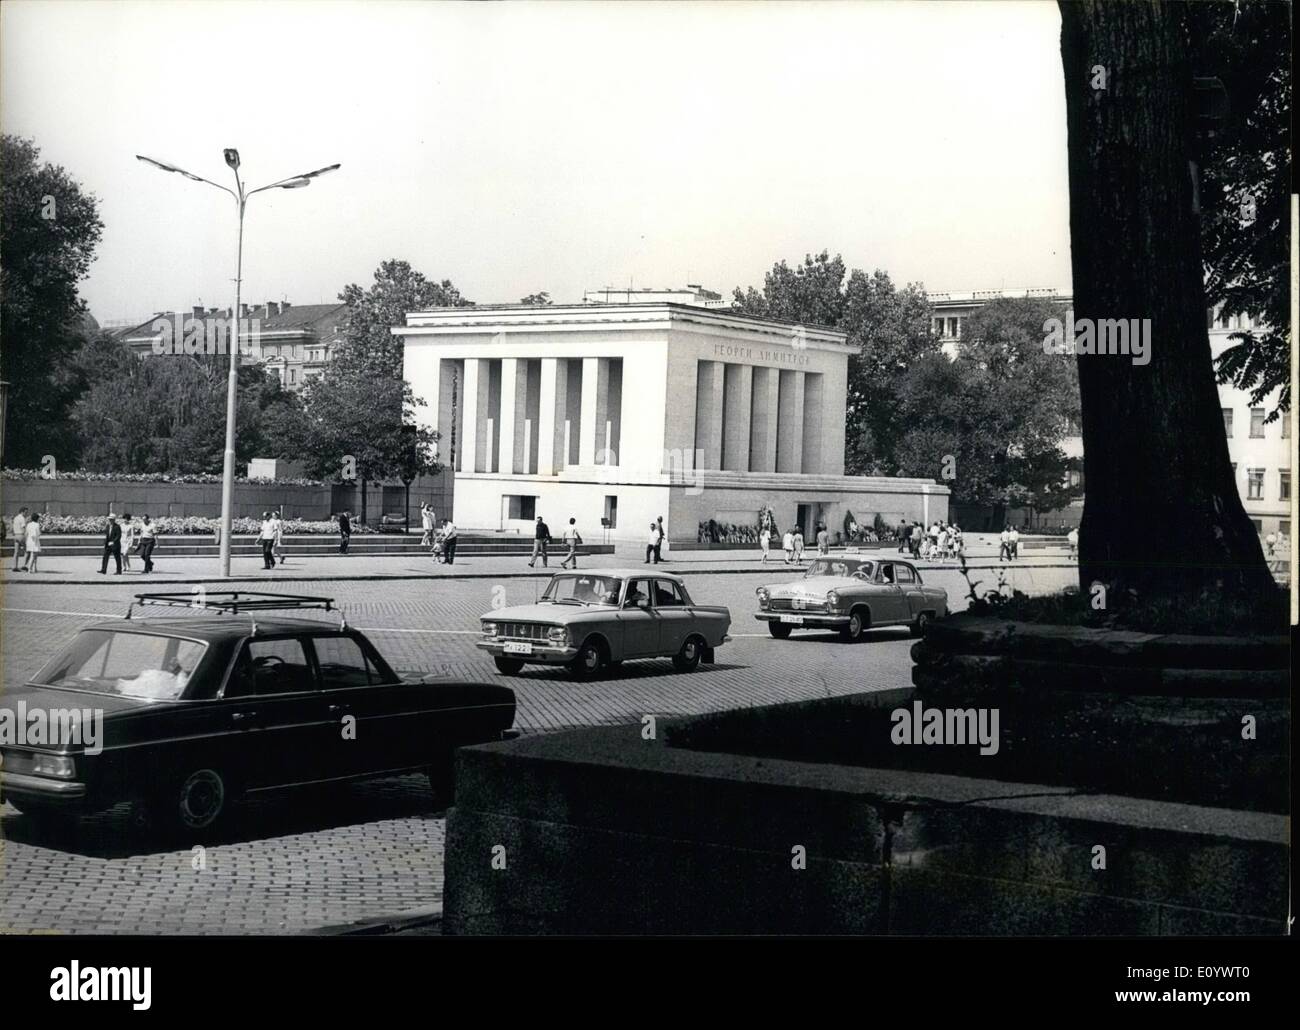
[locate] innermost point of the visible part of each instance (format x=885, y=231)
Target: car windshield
x=583, y=590
x=144, y=665
x=840, y=567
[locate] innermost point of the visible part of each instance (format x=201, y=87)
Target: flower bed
x=83, y=476
x=192, y=525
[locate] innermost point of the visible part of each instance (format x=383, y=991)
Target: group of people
x=439, y=538
x=123, y=537
x=942, y=540
x=27, y=540
x=1009, y=544
x=792, y=543
x=542, y=538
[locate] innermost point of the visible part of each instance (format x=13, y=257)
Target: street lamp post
x=232, y=386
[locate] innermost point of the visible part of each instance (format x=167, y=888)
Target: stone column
x=737, y=406
x=708, y=413
x=588, y=440
x=514, y=406
x=762, y=440
x=789, y=422
x=813, y=394
x=469, y=405
x=552, y=411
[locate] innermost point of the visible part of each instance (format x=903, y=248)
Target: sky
x=517, y=147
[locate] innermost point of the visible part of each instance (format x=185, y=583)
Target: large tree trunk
x=1162, y=517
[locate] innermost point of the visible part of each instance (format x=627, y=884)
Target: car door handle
x=336, y=709
x=246, y=716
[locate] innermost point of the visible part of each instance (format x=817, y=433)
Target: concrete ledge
x=605, y=832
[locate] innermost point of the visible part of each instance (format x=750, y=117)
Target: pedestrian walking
x=765, y=541
x=32, y=540
x=916, y=540
x=823, y=540
x=277, y=549
x=541, y=537
x=1271, y=542
x=426, y=525
x=650, y=543
x=1004, y=544
x=449, y=542
x=787, y=545
x=266, y=537
x=345, y=532
x=659, y=544
x=130, y=540
x=1072, y=538
x=1015, y=543
x=20, y=540
x=572, y=539
x=904, y=537
x=112, y=546
x=798, y=545
x=148, y=538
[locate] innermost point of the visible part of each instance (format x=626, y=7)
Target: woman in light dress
x=765, y=541
x=33, y=541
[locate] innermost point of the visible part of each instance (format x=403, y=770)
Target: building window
x=1284, y=485
x=1286, y=425
x=611, y=511
x=952, y=328
x=1258, y=524
x=293, y=375
x=1227, y=423
x=1284, y=527
x=521, y=506
x=1254, y=484
x=1257, y=423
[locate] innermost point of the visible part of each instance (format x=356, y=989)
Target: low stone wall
x=602, y=831
x=98, y=497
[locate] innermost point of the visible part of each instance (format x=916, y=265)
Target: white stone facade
x=639, y=410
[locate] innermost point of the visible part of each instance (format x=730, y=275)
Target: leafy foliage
x=372, y=313
x=999, y=409
x=49, y=228
x=1245, y=188
x=889, y=327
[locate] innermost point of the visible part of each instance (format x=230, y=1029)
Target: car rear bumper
x=45, y=790
x=803, y=618
x=542, y=652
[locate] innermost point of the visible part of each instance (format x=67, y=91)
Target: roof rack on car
x=233, y=602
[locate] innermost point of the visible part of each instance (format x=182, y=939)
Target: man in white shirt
x=449, y=542
x=20, y=539
x=148, y=537
x=572, y=538
x=266, y=537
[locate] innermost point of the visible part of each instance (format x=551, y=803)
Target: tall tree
x=1246, y=189
x=373, y=312
x=1154, y=447
x=49, y=228
x=989, y=422
x=361, y=426
x=890, y=328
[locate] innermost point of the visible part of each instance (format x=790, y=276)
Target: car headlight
x=53, y=765
x=764, y=598
x=557, y=635
x=490, y=629
x=832, y=599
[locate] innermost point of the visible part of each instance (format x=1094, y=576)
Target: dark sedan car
x=182, y=715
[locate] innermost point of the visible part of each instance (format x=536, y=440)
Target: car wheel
x=856, y=624
x=196, y=803
x=779, y=630
x=688, y=658
x=588, y=661
x=508, y=666
x=921, y=624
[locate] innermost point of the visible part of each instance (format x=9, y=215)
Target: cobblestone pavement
x=307, y=859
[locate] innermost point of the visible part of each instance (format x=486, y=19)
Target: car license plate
x=796, y=619
x=513, y=648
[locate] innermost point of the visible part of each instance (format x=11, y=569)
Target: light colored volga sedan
x=589, y=619
x=851, y=594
